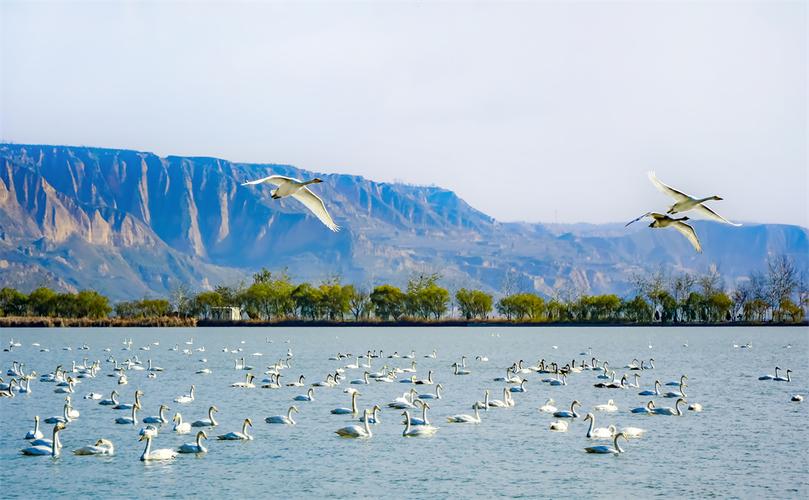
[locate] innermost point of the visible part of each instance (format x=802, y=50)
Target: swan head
x=318, y=180
x=589, y=416
x=717, y=198
x=293, y=408
x=213, y=409
x=249, y=422
x=575, y=403
x=202, y=435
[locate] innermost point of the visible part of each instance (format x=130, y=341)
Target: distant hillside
x=131, y=223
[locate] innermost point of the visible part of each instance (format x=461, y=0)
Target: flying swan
x=287, y=186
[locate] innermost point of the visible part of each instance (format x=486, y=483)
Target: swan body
x=633, y=432
x=610, y=406
x=559, y=426
x=436, y=395
x=129, y=420
x=604, y=449
x=655, y=392
x=283, y=419
x=160, y=418
x=684, y=202
x=346, y=411
x=647, y=409
x=196, y=446
x=101, y=447
x=207, y=422
x=356, y=431
x=696, y=407
x=663, y=221
x=35, y=433
x=783, y=379
x=548, y=407
x=42, y=448
x=466, y=419
x=238, y=436
x=309, y=396
x=186, y=398
x=287, y=186
x=416, y=431
x=670, y=411
x=150, y=455
x=180, y=427
x=568, y=414
x=594, y=432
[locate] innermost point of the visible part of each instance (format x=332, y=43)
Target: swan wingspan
x=689, y=233
x=315, y=205
x=275, y=180
x=668, y=190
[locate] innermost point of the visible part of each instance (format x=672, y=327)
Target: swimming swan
x=604, y=449
x=196, y=446
x=281, y=419
x=238, y=436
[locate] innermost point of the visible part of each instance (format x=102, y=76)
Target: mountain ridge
x=132, y=223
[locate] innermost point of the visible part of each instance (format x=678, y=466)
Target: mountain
x=131, y=223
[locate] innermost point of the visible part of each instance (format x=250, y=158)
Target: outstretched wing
x=316, y=206
x=689, y=233
x=653, y=215
x=707, y=212
x=668, y=190
x=275, y=180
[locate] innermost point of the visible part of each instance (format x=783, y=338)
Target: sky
x=537, y=111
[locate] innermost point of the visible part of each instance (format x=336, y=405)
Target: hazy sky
x=530, y=111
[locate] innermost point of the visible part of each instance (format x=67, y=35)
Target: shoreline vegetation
x=174, y=322
x=779, y=296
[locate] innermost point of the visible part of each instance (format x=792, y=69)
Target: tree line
x=778, y=294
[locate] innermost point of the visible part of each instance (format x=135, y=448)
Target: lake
x=750, y=440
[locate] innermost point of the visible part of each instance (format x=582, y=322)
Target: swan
x=71, y=412
x=196, y=446
x=41, y=447
x=783, y=379
x=679, y=394
x=238, y=436
x=670, y=411
x=459, y=370
x=548, y=407
x=113, y=400
x=63, y=418
x=436, y=395
x=655, y=392
x=155, y=455
x=374, y=417
x=299, y=383
x=363, y=380
x=160, y=418
x=417, y=431
x=345, y=411
x=684, y=202
x=247, y=384
x=465, y=419
x=404, y=401
x=66, y=389
x=482, y=359
x=797, y=398
x=521, y=388
x=207, y=422
x=93, y=396
x=663, y=221
x=675, y=383
x=281, y=419
x=287, y=186
x=101, y=447
x=423, y=420
x=186, y=398
x=604, y=449
x=594, y=432
x=485, y=403
x=35, y=433
x=770, y=377
x=610, y=406
x=412, y=368
x=153, y=368
x=309, y=396
x=428, y=380
x=559, y=426
x=129, y=420
x=504, y=403
x=180, y=427
x=632, y=432
x=696, y=407
x=129, y=406
x=432, y=355
x=647, y=409
x=557, y=381
x=568, y=414
x=356, y=431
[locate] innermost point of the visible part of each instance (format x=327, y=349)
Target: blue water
x=750, y=440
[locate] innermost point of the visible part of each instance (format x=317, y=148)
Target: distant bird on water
x=287, y=186
x=684, y=202
x=662, y=221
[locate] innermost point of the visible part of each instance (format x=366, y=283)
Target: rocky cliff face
x=132, y=223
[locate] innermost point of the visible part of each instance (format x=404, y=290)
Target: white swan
x=373, y=418
x=41, y=447
x=101, y=447
x=309, y=396
x=287, y=186
x=670, y=411
x=196, y=446
x=646, y=409
x=423, y=420
x=128, y=406
x=521, y=388
x=207, y=422
x=238, y=436
x=604, y=449
x=568, y=414
x=155, y=455
x=594, y=432
x=186, y=398
x=361, y=381
x=610, y=406
x=783, y=379
x=160, y=418
x=180, y=427
x=417, y=431
x=684, y=202
x=767, y=376
x=356, y=431
x=548, y=407
x=437, y=395
x=35, y=433
x=428, y=380
x=466, y=419
x=675, y=383
x=283, y=419
x=345, y=411
x=459, y=370
x=655, y=392
x=559, y=426
x=129, y=420
x=679, y=394
x=633, y=432
x=247, y=384
x=695, y=407
x=663, y=221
